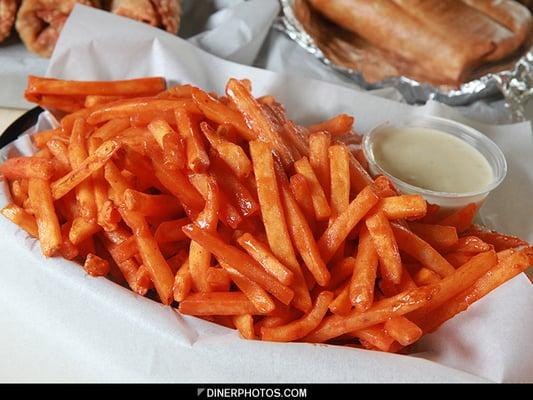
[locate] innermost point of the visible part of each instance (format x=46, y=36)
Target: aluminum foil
x=515, y=82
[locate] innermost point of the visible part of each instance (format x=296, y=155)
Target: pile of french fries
x=224, y=207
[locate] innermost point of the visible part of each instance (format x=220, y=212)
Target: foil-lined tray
x=340, y=50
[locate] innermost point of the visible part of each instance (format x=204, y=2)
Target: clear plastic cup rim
x=471, y=136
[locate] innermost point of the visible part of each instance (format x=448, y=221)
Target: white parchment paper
x=116, y=335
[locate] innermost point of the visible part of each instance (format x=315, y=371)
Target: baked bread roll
x=8, y=12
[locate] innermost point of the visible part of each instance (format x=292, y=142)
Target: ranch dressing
x=432, y=159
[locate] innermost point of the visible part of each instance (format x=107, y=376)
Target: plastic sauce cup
x=448, y=201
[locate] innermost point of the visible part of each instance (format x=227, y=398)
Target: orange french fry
x=182, y=282
x=41, y=139
x=239, y=260
x=375, y=336
x=506, y=268
x=257, y=120
x=339, y=125
x=19, y=191
x=359, y=177
x=221, y=113
x=262, y=254
x=232, y=154
x=93, y=100
x=217, y=303
x=197, y=158
x=318, y=197
x=402, y=330
x=130, y=87
x=177, y=92
x=464, y=277
x=456, y=259
x=227, y=213
x=438, y=236
x=403, y=206
x=301, y=192
x=124, y=250
x=499, y=240
x=111, y=129
x=67, y=104
x=255, y=293
x=421, y=251
x=200, y=257
x=170, y=142
x=180, y=187
x=340, y=271
x=140, y=106
x=96, y=266
x=219, y=279
x=319, y=143
x=403, y=303
x=21, y=217
x=341, y=304
x=152, y=205
x=361, y=289
x=170, y=231
x=233, y=188
x=42, y=205
x=425, y=276
x=91, y=164
x=245, y=325
x=469, y=244
x=339, y=162
x=301, y=233
x=296, y=135
x=301, y=327
x=386, y=247
x=27, y=167
x=272, y=211
x=461, y=219
x=158, y=269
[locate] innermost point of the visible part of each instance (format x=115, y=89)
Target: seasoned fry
x=96, y=266
x=339, y=125
x=27, y=167
x=272, y=211
x=197, y=159
x=404, y=206
x=402, y=330
x=242, y=262
x=153, y=260
x=301, y=327
x=152, y=205
x=217, y=303
x=232, y=154
x=256, y=120
x=498, y=240
x=386, y=247
x=505, y=269
x=438, y=236
x=422, y=251
x=319, y=143
x=21, y=217
x=301, y=192
x=339, y=162
x=318, y=197
x=200, y=257
x=47, y=222
x=170, y=231
x=182, y=282
x=403, y=303
x=361, y=289
x=91, y=164
x=262, y=254
x=132, y=87
x=245, y=325
x=461, y=219
x=333, y=237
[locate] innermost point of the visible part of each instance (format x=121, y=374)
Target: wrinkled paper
x=98, y=331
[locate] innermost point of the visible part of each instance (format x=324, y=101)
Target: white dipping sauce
x=431, y=159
